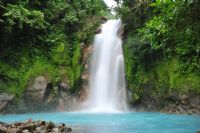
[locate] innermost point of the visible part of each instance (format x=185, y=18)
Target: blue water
x=136, y=122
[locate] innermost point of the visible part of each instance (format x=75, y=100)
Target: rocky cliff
x=42, y=94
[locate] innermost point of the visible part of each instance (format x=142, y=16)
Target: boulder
x=15, y=130
x=35, y=92
x=55, y=130
x=68, y=129
x=17, y=124
x=103, y=19
x=4, y=100
x=184, y=100
x=63, y=129
x=64, y=85
x=29, y=127
x=3, y=123
x=42, y=123
x=3, y=129
x=98, y=31
x=50, y=125
x=180, y=109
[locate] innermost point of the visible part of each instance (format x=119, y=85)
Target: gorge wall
x=42, y=95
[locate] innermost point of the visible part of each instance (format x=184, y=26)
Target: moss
x=170, y=75
x=39, y=67
x=76, y=66
x=162, y=80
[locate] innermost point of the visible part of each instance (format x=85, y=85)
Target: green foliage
x=43, y=38
x=76, y=65
x=20, y=16
x=134, y=13
x=59, y=55
x=17, y=79
x=161, y=46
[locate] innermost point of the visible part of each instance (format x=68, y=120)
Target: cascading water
x=107, y=79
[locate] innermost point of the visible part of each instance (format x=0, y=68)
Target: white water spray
x=107, y=79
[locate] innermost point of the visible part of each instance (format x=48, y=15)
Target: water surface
x=136, y=122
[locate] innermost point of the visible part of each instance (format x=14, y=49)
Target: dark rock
x=36, y=90
x=52, y=100
x=16, y=106
x=171, y=99
x=120, y=31
x=43, y=123
x=64, y=85
x=180, y=109
x=50, y=125
x=184, y=100
x=198, y=131
x=69, y=129
x=48, y=90
x=17, y=123
x=61, y=129
x=195, y=100
x=3, y=123
x=104, y=19
x=4, y=100
x=98, y=31
x=149, y=88
x=29, y=127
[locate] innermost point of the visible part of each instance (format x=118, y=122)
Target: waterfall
x=107, y=80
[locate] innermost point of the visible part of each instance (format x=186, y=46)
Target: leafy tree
x=161, y=45
x=44, y=36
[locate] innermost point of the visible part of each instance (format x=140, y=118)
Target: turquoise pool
x=135, y=122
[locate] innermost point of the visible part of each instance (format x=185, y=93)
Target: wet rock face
x=198, y=131
x=98, y=31
x=121, y=31
x=86, y=52
x=4, y=100
x=36, y=90
x=182, y=104
x=64, y=85
x=195, y=100
x=103, y=19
